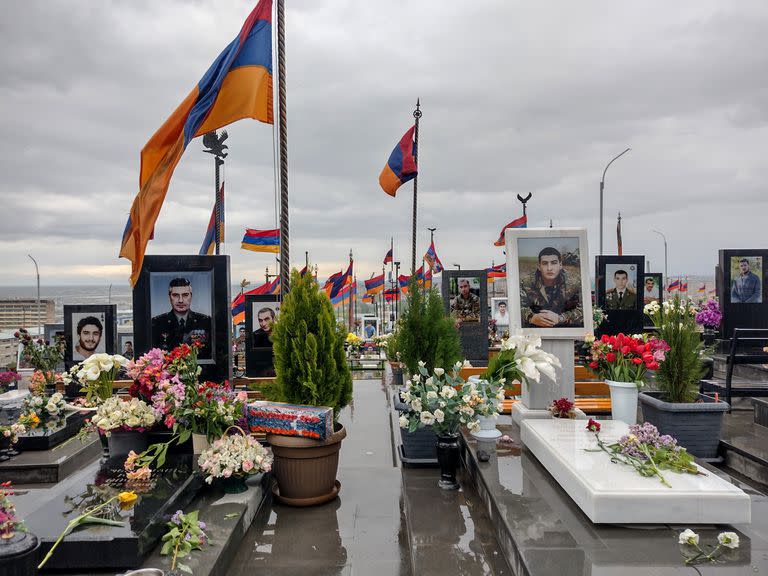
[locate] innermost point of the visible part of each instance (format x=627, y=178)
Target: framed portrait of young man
x=465, y=297
x=548, y=282
x=619, y=286
x=500, y=313
x=125, y=345
x=185, y=300
x=89, y=329
x=652, y=291
x=370, y=327
x=261, y=314
x=741, y=287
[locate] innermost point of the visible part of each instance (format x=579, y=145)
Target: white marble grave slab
x=616, y=494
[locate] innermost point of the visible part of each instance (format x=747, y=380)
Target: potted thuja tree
x=311, y=369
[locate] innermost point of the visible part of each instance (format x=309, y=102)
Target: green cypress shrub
x=426, y=332
x=310, y=364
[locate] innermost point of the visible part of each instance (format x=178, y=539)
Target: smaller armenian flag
x=261, y=240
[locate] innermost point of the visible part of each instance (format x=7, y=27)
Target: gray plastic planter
x=418, y=447
x=695, y=425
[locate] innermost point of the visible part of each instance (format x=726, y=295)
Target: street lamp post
x=665, y=253
x=602, y=187
x=457, y=266
x=39, y=318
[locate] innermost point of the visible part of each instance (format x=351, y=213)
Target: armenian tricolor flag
x=209, y=242
x=521, y=222
x=493, y=272
x=684, y=285
x=238, y=304
x=368, y=298
x=388, y=257
x=391, y=294
x=433, y=260
x=375, y=284
x=702, y=289
x=261, y=240
x=674, y=286
x=237, y=85
x=401, y=165
x=342, y=297
x=338, y=281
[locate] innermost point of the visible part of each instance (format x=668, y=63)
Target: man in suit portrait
x=620, y=297
x=651, y=292
x=266, y=319
x=181, y=324
x=747, y=286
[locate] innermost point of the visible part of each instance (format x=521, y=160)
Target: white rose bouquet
x=485, y=397
x=96, y=374
x=117, y=414
x=236, y=455
x=40, y=408
x=441, y=400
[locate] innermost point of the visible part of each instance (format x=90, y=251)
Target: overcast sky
x=517, y=97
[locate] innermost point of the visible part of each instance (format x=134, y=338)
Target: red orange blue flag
x=261, y=240
x=388, y=257
x=375, y=284
x=401, y=165
x=237, y=85
x=521, y=222
x=433, y=260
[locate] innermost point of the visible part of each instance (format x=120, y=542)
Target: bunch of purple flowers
x=645, y=434
x=709, y=315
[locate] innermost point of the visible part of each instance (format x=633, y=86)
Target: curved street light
x=602, y=186
x=665, y=253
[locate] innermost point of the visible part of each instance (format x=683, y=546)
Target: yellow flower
x=127, y=500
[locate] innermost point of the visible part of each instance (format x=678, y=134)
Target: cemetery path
x=387, y=521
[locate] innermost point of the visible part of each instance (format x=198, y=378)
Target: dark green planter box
x=696, y=426
x=419, y=447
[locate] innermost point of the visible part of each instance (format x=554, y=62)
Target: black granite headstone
x=743, y=297
x=47, y=511
x=625, y=312
x=472, y=331
x=53, y=432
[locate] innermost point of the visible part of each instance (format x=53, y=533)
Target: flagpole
x=285, y=258
x=383, y=289
x=416, y=115
x=349, y=293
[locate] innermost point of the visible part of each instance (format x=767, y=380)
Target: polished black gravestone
x=51, y=433
x=49, y=466
x=473, y=332
x=99, y=547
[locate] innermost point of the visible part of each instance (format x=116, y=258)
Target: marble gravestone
x=473, y=328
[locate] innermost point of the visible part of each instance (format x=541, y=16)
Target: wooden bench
x=747, y=347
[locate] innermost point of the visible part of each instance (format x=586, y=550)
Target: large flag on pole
x=401, y=165
x=433, y=260
x=237, y=85
x=388, y=257
x=261, y=240
x=521, y=222
x=209, y=242
x=375, y=284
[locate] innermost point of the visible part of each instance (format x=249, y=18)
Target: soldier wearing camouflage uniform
x=466, y=306
x=549, y=297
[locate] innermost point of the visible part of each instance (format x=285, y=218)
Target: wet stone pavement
x=387, y=521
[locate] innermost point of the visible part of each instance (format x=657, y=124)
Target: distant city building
x=18, y=312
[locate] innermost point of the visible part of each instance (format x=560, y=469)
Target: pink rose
x=227, y=473
x=267, y=467
x=247, y=465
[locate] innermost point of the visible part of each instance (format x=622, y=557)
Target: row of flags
x=238, y=304
x=681, y=285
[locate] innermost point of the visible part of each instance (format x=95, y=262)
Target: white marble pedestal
x=538, y=396
x=617, y=494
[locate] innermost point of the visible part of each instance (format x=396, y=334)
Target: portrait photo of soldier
x=622, y=294
x=550, y=283
x=746, y=280
x=179, y=314
x=87, y=337
x=465, y=299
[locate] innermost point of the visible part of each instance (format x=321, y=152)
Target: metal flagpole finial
x=417, y=112
x=524, y=201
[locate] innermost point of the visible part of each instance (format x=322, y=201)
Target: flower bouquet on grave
x=562, y=408
x=147, y=372
x=623, y=358
x=235, y=456
x=10, y=434
x=7, y=379
x=39, y=409
x=521, y=359
x=709, y=315
x=9, y=522
x=124, y=422
x=43, y=356
x=647, y=451
x=96, y=376
x=209, y=409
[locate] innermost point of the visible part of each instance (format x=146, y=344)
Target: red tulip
x=637, y=361
x=610, y=357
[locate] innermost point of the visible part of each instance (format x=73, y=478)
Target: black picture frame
x=626, y=320
x=109, y=335
x=658, y=278
x=215, y=361
x=122, y=339
x=473, y=335
x=740, y=314
x=259, y=360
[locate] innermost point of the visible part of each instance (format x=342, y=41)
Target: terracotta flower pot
x=305, y=469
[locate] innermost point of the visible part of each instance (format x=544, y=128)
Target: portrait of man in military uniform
x=550, y=296
x=181, y=324
x=465, y=306
x=622, y=296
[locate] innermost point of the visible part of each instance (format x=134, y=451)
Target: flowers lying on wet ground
x=236, y=455
x=647, y=451
x=690, y=541
x=125, y=500
x=185, y=533
x=562, y=408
